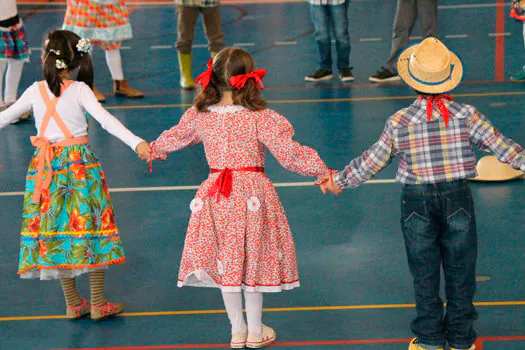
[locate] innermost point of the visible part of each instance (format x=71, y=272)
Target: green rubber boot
x=186, y=78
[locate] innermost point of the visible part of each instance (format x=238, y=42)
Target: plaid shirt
x=429, y=152
x=197, y=3
x=327, y=2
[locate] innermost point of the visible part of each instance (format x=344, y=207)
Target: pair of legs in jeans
x=328, y=18
x=439, y=228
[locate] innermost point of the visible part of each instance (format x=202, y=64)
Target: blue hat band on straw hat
x=427, y=82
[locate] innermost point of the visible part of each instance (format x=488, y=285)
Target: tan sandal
x=106, y=310
x=76, y=312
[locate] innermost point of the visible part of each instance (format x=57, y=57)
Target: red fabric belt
x=223, y=184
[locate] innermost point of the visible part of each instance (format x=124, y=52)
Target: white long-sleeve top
x=72, y=107
x=7, y=9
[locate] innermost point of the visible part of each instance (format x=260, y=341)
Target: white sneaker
x=257, y=341
x=239, y=340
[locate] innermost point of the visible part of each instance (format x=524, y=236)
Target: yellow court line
x=285, y=309
x=329, y=100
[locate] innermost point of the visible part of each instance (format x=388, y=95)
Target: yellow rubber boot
x=186, y=78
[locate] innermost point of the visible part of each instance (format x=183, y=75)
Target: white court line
x=499, y=34
x=365, y=40
x=200, y=46
x=498, y=104
x=160, y=47
x=244, y=44
x=469, y=6
x=125, y=47
x=281, y=43
x=186, y=188
x=416, y=38
x=35, y=49
x=456, y=36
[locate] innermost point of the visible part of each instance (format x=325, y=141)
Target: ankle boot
x=100, y=98
x=186, y=78
x=122, y=88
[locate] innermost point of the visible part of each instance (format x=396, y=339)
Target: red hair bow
x=205, y=77
x=238, y=81
x=438, y=102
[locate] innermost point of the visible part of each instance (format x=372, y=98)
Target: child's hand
x=143, y=150
x=329, y=185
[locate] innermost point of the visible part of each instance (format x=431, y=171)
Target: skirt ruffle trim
x=119, y=33
x=199, y=278
x=65, y=271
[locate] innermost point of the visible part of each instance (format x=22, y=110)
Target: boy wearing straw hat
x=433, y=139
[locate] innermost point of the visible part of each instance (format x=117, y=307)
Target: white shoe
x=239, y=340
x=257, y=341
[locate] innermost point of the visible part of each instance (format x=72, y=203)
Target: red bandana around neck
x=438, y=102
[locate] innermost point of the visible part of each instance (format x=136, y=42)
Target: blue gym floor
x=356, y=289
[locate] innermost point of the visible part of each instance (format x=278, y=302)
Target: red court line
x=479, y=343
x=499, y=59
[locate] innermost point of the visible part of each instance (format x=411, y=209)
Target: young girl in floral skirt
x=68, y=226
x=238, y=236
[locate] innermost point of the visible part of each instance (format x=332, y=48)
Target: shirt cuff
x=134, y=143
x=339, y=180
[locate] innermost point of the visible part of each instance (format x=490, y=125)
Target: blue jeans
x=439, y=227
x=325, y=18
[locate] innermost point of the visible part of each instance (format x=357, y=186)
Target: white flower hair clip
x=60, y=64
x=84, y=45
x=56, y=52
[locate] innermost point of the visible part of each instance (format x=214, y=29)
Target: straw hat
x=491, y=169
x=430, y=67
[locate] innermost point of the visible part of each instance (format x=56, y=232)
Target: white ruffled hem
x=56, y=274
x=200, y=278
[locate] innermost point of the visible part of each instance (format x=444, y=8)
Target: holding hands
x=328, y=185
x=143, y=150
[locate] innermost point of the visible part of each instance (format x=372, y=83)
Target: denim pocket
x=414, y=210
x=460, y=207
x=415, y=221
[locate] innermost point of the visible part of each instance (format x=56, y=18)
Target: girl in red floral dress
x=238, y=236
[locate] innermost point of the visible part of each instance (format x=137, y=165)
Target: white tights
x=12, y=79
x=254, y=303
x=114, y=61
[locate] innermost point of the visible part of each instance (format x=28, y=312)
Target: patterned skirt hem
x=24, y=58
x=119, y=33
x=56, y=274
x=74, y=267
x=201, y=279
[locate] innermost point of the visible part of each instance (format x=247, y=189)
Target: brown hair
x=228, y=63
x=427, y=95
x=61, y=45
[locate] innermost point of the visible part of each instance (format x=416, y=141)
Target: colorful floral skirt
x=98, y=21
x=72, y=230
x=13, y=43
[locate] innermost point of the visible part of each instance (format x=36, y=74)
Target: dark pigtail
x=63, y=52
x=85, y=72
x=52, y=74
